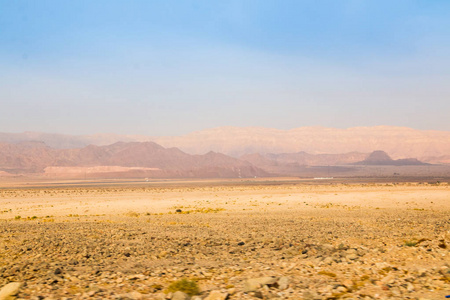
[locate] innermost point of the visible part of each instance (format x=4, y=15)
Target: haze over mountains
x=225, y=152
x=135, y=159
x=381, y=158
x=398, y=142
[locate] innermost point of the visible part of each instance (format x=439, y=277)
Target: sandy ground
x=326, y=241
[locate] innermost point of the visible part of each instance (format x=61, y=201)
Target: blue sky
x=172, y=67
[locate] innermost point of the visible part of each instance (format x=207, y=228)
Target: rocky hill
x=125, y=159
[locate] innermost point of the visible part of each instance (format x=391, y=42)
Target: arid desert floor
x=271, y=240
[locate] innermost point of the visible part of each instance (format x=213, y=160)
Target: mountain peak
x=378, y=156
x=381, y=158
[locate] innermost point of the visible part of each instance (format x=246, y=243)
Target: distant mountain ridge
x=150, y=160
x=146, y=159
x=278, y=162
x=381, y=158
x=400, y=142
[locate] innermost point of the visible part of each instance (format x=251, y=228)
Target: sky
x=171, y=67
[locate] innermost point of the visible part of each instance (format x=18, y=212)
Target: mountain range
x=227, y=152
x=135, y=159
x=400, y=142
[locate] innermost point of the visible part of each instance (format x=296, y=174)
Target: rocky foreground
x=232, y=249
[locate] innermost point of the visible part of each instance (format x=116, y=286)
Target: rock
x=254, y=284
x=341, y=289
x=180, y=296
x=217, y=295
x=251, y=286
x=410, y=287
x=9, y=290
x=352, y=256
x=257, y=294
x=327, y=247
x=347, y=283
x=351, y=251
x=329, y=260
x=135, y=295
x=308, y=295
x=283, y=283
x=396, y=291
x=163, y=254
x=160, y=296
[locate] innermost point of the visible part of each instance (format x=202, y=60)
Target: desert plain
x=236, y=239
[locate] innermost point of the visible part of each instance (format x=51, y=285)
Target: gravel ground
x=266, y=242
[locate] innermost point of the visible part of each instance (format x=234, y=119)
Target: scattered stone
x=163, y=254
x=329, y=260
x=10, y=290
x=352, y=256
x=308, y=295
x=253, y=284
x=179, y=296
x=359, y=260
x=216, y=295
x=283, y=283
x=135, y=295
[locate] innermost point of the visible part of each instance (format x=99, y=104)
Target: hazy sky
x=172, y=67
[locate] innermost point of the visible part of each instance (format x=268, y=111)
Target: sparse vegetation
x=326, y=273
x=184, y=285
x=132, y=214
x=410, y=243
x=198, y=210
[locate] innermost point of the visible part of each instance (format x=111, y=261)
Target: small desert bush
x=410, y=243
x=326, y=273
x=184, y=285
x=132, y=214
x=198, y=210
